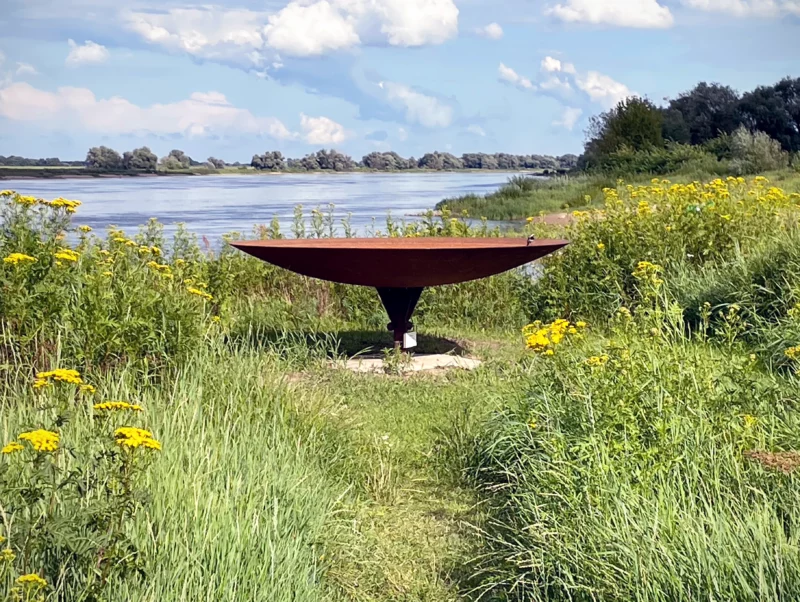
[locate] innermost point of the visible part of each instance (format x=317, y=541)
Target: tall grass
x=629, y=479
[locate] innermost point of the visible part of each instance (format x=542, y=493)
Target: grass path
x=405, y=534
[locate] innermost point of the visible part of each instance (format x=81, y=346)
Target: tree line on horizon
x=103, y=158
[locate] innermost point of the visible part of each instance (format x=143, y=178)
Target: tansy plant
x=65, y=503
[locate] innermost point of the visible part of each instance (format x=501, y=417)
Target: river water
x=214, y=205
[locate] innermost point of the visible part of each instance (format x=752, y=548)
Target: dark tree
x=708, y=111
x=270, y=160
x=675, y=128
x=102, y=157
x=437, y=160
x=775, y=110
x=140, y=159
x=635, y=124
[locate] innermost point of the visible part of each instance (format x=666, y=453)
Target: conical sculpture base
x=400, y=304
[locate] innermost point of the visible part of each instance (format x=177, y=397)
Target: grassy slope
x=568, y=193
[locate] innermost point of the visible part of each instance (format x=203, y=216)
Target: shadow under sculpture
x=399, y=268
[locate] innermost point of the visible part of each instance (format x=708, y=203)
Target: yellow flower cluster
x=67, y=255
x=7, y=555
x=60, y=203
x=12, y=447
x=72, y=377
x=28, y=201
x=131, y=437
x=793, y=353
x=88, y=389
x=41, y=440
x=597, y=360
x=161, y=268
x=32, y=580
x=648, y=272
x=16, y=258
x=85, y=229
x=199, y=293
x=542, y=338
x=117, y=405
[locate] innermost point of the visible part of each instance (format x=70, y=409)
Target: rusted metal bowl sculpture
x=399, y=268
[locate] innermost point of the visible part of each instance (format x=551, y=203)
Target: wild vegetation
x=172, y=429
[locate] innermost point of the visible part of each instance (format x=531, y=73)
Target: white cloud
x=477, y=130
x=89, y=53
x=493, y=31
x=569, y=118
x=402, y=134
x=745, y=8
x=602, y=89
x=509, y=76
x=647, y=14
x=551, y=65
x=2, y=57
x=301, y=28
x=321, y=130
x=208, y=32
x=26, y=69
x=420, y=108
x=564, y=81
x=202, y=113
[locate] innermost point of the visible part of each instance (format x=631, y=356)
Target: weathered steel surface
x=399, y=262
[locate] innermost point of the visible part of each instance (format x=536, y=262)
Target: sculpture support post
x=400, y=304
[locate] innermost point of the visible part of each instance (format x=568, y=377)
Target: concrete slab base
x=417, y=363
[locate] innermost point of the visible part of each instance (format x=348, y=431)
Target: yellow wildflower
x=7, y=193
x=532, y=424
x=41, y=440
x=179, y=263
x=793, y=353
x=549, y=352
x=199, y=293
x=84, y=229
x=41, y=383
x=597, y=360
x=580, y=324
x=529, y=220
x=132, y=438
x=32, y=580
x=12, y=447
x=72, y=377
x=7, y=555
x=88, y=389
x=600, y=246
x=67, y=255
x=749, y=421
x=58, y=203
x=25, y=200
x=117, y=405
x=16, y=258
x=155, y=251
x=108, y=274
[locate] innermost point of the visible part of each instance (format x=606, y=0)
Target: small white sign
x=409, y=340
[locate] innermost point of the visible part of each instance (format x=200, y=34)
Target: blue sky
x=244, y=76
